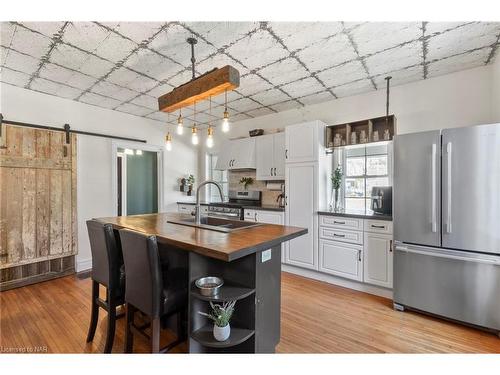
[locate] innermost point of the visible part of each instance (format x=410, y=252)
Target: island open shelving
x=226, y=293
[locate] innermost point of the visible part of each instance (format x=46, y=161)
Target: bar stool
x=108, y=270
x=157, y=294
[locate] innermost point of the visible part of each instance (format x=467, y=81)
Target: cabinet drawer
x=341, y=259
x=250, y=215
x=341, y=235
x=185, y=208
x=341, y=222
x=378, y=226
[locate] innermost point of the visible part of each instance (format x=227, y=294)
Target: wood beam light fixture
x=211, y=83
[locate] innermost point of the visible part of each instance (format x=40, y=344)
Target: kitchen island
x=247, y=259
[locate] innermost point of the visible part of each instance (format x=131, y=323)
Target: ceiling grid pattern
x=125, y=66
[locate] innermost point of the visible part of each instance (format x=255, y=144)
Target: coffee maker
x=381, y=200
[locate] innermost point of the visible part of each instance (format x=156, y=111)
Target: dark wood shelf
x=369, y=126
x=205, y=337
x=226, y=293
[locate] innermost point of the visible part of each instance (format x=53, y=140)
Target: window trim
x=344, y=158
x=209, y=173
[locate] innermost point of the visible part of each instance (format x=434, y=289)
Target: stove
x=238, y=200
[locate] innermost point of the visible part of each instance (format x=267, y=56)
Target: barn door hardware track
x=66, y=129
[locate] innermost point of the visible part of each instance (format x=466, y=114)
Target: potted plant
x=190, y=182
x=221, y=315
x=246, y=181
x=336, y=179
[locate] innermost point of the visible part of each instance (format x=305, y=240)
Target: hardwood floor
x=316, y=318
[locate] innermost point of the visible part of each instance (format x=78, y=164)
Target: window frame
x=364, y=176
x=210, y=164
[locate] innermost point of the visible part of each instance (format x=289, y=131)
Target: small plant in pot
x=246, y=181
x=221, y=315
x=336, y=179
x=190, y=182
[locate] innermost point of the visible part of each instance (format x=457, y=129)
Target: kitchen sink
x=216, y=224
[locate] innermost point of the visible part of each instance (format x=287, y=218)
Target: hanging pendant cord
x=387, y=101
x=192, y=41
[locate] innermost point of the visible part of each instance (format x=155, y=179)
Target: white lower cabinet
x=378, y=257
x=363, y=255
x=268, y=217
x=341, y=259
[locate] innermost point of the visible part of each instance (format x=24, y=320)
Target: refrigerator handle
x=448, y=187
x=433, y=181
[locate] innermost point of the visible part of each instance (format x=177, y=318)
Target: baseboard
x=34, y=279
x=83, y=264
x=362, y=287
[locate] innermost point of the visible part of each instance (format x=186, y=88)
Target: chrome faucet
x=197, y=212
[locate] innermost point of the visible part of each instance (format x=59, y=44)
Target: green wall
x=142, y=183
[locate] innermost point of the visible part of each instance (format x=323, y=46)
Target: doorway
x=137, y=179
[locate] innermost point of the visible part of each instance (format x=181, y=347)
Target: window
x=218, y=176
x=365, y=167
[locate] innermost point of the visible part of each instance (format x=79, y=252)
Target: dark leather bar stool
x=108, y=270
x=158, y=292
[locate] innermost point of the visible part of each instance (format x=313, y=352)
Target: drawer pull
x=338, y=222
x=339, y=235
x=378, y=226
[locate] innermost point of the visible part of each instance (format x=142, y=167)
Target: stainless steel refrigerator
x=447, y=223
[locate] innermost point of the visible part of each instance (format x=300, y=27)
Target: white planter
x=222, y=333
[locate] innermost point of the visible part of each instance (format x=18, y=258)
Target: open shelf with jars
x=360, y=132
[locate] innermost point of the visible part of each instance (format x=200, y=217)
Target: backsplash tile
x=269, y=197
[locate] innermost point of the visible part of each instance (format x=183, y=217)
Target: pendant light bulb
x=210, y=137
x=194, y=136
x=225, y=122
x=180, y=126
x=168, y=142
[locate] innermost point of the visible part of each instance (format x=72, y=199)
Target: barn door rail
x=66, y=129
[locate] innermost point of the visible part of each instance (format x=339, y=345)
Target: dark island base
x=256, y=285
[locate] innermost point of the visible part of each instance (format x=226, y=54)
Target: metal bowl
x=209, y=286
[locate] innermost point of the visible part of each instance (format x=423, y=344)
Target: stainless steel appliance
x=447, y=223
x=381, y=200
x=234, y=208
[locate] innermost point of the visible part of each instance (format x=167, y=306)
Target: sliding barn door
x=37, y=205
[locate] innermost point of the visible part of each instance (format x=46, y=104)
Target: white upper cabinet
x=237, y=154
x=225, y=156
x=279, y=156
x=264, y=157
x=302, y=142
x=270, y=157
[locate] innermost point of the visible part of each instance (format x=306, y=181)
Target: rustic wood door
x=38, y=223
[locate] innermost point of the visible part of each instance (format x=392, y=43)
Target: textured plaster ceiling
x=125, y=66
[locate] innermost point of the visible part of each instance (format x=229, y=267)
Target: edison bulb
x=194, y=136
x=210, y=141
x=225, y=125
x=180, y=129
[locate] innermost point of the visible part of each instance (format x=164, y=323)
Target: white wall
x=94, y=153
x=495, y=97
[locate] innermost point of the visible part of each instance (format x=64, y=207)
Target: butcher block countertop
x=210, y=243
